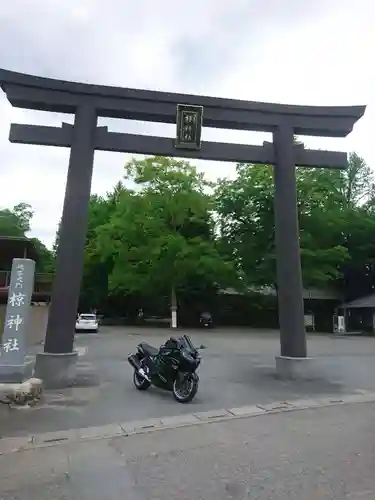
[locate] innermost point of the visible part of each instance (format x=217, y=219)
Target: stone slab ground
x=322, y=453
x=238, y=369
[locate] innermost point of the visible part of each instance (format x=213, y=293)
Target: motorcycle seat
x=149, y=349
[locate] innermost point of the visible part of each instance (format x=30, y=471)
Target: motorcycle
x=171, y=367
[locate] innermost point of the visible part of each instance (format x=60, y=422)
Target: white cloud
x=291, y=51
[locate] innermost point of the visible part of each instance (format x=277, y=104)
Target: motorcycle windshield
x=187, y=343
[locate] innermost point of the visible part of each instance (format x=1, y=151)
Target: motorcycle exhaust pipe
x=134, y=362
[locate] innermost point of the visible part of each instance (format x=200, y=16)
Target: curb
x=26, y=443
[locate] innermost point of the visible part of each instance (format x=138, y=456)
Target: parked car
x=87, y=322
x=205, y=320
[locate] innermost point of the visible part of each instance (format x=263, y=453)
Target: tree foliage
x=172, y=233
x=97, y=267
x=160, y=235
x=335, y=217
x=16, y=223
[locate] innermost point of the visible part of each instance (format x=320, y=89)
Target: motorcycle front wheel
x=140, y=383
x=185, y=390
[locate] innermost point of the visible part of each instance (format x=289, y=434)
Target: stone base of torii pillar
x=296, y=368
x=57, y=370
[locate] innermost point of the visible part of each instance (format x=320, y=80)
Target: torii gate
x=190, y=112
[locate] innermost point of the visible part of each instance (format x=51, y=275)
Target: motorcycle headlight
x=187, y=356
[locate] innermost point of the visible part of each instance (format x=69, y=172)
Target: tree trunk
x=173, y=308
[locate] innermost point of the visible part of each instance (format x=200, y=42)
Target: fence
x=42, y=282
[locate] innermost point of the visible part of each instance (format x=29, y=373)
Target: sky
x=285, y=51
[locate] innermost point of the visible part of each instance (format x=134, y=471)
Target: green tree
x=161, y=235
x=358, y=183
x=94, y=289
x=57, y=239
x=358, y=227
x=46, y=260
x=16, y=221
x=246, y=215
x=246, y=208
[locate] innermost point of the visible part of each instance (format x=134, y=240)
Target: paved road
x=325, y=454
x=237, y=370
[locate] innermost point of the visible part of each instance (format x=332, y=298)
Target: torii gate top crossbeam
x=47, y=94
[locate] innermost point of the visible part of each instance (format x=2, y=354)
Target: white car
x=87, y=322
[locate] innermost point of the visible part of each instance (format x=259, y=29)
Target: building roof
x=12, y=247
x=308, y=293
x=366, y=302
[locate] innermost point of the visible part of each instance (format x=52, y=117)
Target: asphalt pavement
x=238, y=369
x=324, y=453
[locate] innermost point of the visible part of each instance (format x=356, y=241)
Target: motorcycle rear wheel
x=184, y=393
x=140, y=383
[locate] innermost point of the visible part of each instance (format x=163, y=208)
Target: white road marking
x=82, y=350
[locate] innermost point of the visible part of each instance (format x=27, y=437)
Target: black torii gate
x=87, y=102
